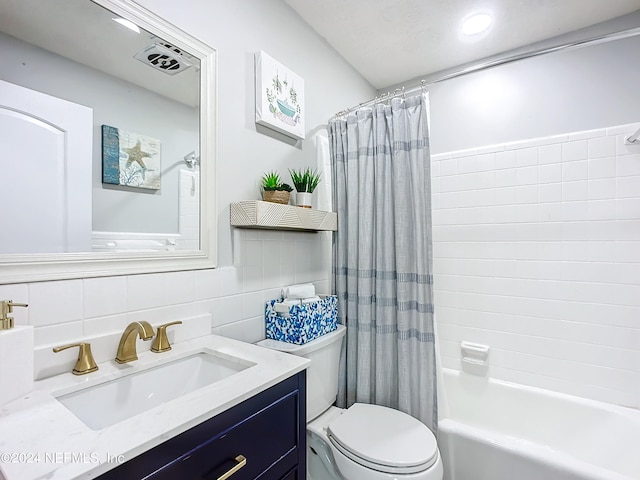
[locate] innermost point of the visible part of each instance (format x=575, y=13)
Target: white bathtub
x=493, y=430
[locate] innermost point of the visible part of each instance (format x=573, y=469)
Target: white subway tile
x=577, y=150
x=602, y=189
x=575, y=211
x=549, y=154
x=602, y=167
x=550, y=173
x=602, y=210
x=486, y=162
x=575, y=191
x=578, y=170
x=527, y=194
x=438, y=157
x=468, y=164
x=55, y=302
x=58, y=335
x=252, y=278
x=178, y=287
x=627, y=165
x=505, y=177
x=526, y=213
x=627, y=187
x=252, y=254
x=628, y=208
x=587, y=134
x=549, y=212
x=228, y=310
x=602, y=147
x=231, y=280
x=627, y=129
x=231, y=330
x=550, y=192
x=104, y=325
x=192, y=327
x=449, y=167
x=527, y=157
x=577, y=230
x=527, y=175
x=145, y=291
x=449, y=184
x=505, y=159
x=104, y=296
x=207, y=284
x=435, y=169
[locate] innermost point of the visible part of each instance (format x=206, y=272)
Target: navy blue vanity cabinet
x=263, y=437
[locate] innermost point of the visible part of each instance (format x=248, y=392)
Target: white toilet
x=363, y=442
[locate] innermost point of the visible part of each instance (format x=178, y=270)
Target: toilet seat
x=383, y=439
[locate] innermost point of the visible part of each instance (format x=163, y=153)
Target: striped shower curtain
x=382, y=265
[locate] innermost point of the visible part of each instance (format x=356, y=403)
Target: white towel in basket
x=300, y=290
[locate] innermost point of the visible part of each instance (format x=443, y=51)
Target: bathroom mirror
x=107, y=121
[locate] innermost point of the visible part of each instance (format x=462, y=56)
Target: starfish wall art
x=130, y=159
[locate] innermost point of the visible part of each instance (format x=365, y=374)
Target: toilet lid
x=383, y=439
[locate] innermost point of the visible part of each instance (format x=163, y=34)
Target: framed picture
x=130, y=159
x=279, y=97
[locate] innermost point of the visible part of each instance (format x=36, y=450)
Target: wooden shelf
x=276, y=216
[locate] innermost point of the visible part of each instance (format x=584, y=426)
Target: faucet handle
x=6, y=307
x=161, y=342
x=85, y=363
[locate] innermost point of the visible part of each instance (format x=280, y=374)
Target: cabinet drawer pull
x=242, y=461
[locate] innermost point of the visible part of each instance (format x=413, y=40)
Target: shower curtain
x=382, y=258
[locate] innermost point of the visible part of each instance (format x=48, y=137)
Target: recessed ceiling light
x=476, y=24
x=127, y=23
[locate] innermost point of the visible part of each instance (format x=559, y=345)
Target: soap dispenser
x=16, y=355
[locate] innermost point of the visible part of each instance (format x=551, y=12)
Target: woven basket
x=276, y=196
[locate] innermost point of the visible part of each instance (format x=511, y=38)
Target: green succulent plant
x=271, y=181
x=305, y=180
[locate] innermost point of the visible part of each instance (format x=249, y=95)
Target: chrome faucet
x=127, y=347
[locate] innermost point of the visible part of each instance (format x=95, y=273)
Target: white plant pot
x=303, y=199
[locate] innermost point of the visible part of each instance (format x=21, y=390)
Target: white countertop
x=40, y=438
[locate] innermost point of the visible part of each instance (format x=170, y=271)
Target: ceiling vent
x=164, y=57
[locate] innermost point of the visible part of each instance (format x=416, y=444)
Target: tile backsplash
x=228, y=301
x=536, y=251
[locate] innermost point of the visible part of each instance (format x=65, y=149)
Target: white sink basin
x=116, y=400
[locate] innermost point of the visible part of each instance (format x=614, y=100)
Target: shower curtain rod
x=631, y=32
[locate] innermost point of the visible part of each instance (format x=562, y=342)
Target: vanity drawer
x=263, y=439
x=268, y=430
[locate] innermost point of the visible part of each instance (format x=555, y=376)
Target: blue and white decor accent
x=305, y=322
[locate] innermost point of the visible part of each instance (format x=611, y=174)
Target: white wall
x=237, y=30
x=536, y=241
x=122, y=105
x=567, y=91
x=254, y=264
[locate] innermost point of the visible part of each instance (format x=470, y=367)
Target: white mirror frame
x=58, y=266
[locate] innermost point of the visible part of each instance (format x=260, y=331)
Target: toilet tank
x=322, y=373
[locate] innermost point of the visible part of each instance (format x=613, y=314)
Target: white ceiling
x=392, y=41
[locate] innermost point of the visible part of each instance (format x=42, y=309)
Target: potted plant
x=305, y=182
x=273, y=190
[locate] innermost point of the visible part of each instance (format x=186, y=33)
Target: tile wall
x=227, y=300
x=537, y=254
